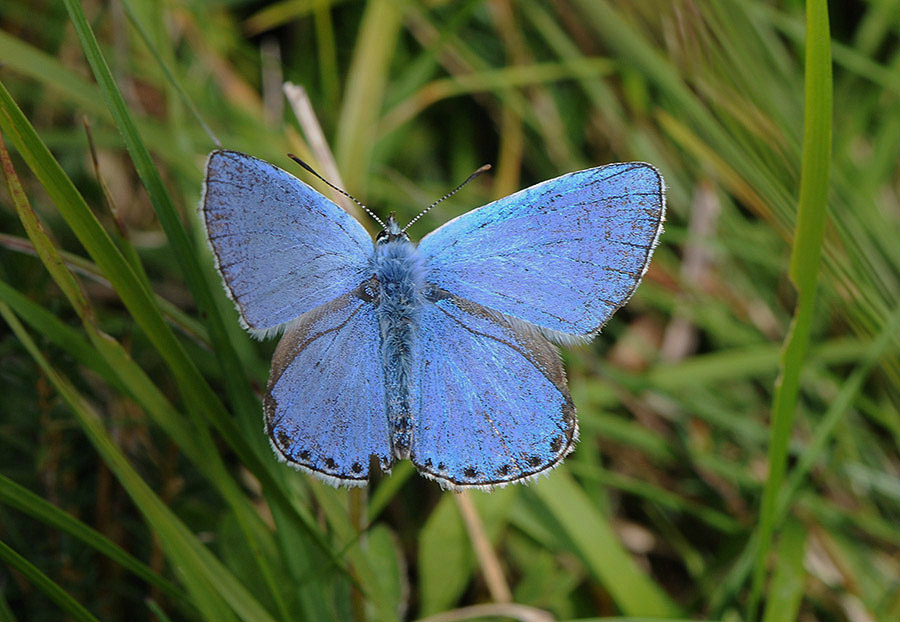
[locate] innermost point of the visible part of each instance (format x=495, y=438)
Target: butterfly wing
x=563, y=255
x=325, y=403
x=492, y=402
x=281, y=247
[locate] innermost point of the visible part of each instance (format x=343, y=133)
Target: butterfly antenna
x=333, y=187
x=483, y=169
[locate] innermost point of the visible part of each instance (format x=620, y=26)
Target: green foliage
x=740, y=421
x=806, y=253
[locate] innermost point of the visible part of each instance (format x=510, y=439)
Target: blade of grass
x=849, y=57
x=113, y=364
x=810, y=454
x=116, y=359
x=139, y=26
x=6, y=614
x=444, y=572
x=175, y=316
x=109, y=260
x=198, y=396
x=280, y=13
x=804, y=270
x=236, y=384
x=252, y=444
x=45, y=584
x=325, y=40
x=156, y=610
x=786, y=588
x=459, y=59
x=334, y=505
x=596, y=544
x=840, y=406
x=56, y=331
x=661, y=496
x=43, y=247
x=488, y=82
x=24, y=500
x=27, y=59
x=214, y=590
x=196, y=443
x=636, y=52
x=120, y=232
x=388, y=488
x=364, y=89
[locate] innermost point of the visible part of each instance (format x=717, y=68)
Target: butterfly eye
x=384, y=236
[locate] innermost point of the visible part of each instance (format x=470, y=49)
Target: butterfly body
x=442, y=352
x=399, y=280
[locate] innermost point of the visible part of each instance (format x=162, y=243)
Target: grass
x=806, y=254
x=740, y=421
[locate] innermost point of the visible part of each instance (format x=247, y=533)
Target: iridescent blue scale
x=440, y=353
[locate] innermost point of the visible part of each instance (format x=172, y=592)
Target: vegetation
x=740, y=423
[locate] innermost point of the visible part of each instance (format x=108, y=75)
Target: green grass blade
x=837, y=411
x=325, y=39
x=596, y=543
x=117, y=360
x=814, y=181
x=45, y=584
x=198, y=395
x=634, y=619
x=237, y=385
x=196, y=443
x=388, y=488
x=56, y=331
x=180, y=320
x=14, y=495
x=59, y=79
x=811, y=453
x=364, y=90
x=182, y=95
x=20, y=56
x=804, y=270
x=6, y=613
x=660, y=496
x=786, y=587
x=250, y=444
x=445, y=572
x=333, y=506
x=213, y=588
x=42, y=245
x=490, y=81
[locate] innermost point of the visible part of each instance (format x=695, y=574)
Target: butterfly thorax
x=399, y=270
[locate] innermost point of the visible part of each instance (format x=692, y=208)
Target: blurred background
x=135, y=479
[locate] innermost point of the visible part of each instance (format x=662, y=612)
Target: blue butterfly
x=443, y=352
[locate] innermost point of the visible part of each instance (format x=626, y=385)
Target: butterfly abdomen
x=399, y=270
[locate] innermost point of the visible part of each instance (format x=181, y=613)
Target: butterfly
x=442, y=352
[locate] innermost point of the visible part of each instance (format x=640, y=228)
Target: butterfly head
x=391, y=231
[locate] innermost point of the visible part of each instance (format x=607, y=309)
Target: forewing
x=563, y=255
x=281, y=247
x=325, y=404
x=493, y=406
